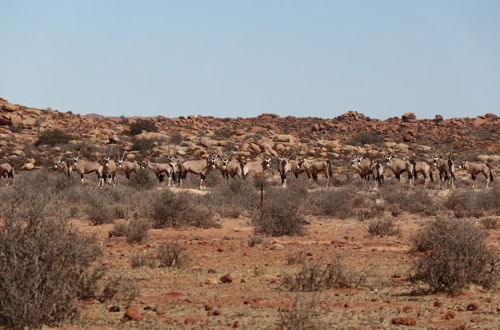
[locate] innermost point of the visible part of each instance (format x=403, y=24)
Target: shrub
x=338, y=203
x=279, y=216
x=296, y=258
x=143, y=144
x=463, y=204
x=45, y=269
x=366, y=138
x=316, y=276
x=137, y=231
x=52, y=137
x=254, y=241
x=119, y=229
x=458, y=256
x=172, y=255
x=303, y=314
x=176, y=138
x=490, y=223
x=182, y=209
x=383, y=227
x=142, y=180
x=142, y=125
x=100, y=213
x=141, y=259
x=373, y=211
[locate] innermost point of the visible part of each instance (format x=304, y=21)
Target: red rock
x=397, y=275
x=407, y=309
x=159, y=311
x=404, y=321
x=132, y=314
x=208, y=307
x=449, y=315
x=189, y=320
x=226, y=279
x=438, y=303
x=211, y=271
x=220, y=250
x=217, y=313
x=348, y=305
x=236, y=324
x=472, y=307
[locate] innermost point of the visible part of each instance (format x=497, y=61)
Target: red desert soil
x=195, y=297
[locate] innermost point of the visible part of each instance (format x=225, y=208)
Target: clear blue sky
x=245, y=57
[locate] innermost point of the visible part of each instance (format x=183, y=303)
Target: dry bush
x=317, y=276
x=279, y=216
x=296, y=258
x=141, y=259
x=143, y=179
x=120, y=229
x=464, y=204
x=45, y=269
x=254, y=241
x=100, y=213
x=339, y=203
x=52, y=137
x=490, y=223
x=233, y=199
x=374, y=211
x=416, y=201
x=457, y=257
x=119, y=289
x=172, y=254
x=303, y=314
x=383, y=227
x=182, y=209
x=142, y=125
x=137, y=231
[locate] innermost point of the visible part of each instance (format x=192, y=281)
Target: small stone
x=226, y=279
x=407, y=309
x=159, y=311
x=348, y=305
x=397, y=275
x=236, y=324
x=132, y=314
x=212, y=271
x=472, y=307
x=217, y=313
x=438, y=303
x=220, y=250
x=404, y=321
x=114, y=309
x=208, y=307
x=189, y=320
x=449, y=315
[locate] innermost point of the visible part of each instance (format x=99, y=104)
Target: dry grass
x=172, y=254
x=383, y=227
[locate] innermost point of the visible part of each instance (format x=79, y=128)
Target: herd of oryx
x=175, y=169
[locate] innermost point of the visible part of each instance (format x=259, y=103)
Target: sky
x=241, y=58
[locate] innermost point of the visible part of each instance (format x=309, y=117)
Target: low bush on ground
x=315, y=276
x=141, y=259
x=53, y=137
x=340, y=203
x=279, y=216
x=45, y=269
x=172, y=254
x=142, y=125
x=383, y=227
x=137, y=231
x=457, y=257
x=182, y=209
x=143, y=179
x=302, y=314
x=490, y=223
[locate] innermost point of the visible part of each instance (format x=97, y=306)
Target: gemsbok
x=399, y=166
x=201, y=167
x=230, y=168
x=446, y=169
x=83, y=166
x=6, y=171
x=477, y=168
x=315, y=167
x=256, y=167
x=126, y=166
x=63, y=166
x=362, y=166
x=109, y=170
x=161, y=170
x=424, y=169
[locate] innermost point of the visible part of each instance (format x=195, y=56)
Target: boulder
x=408, y=117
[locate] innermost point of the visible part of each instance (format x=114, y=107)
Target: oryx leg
x=202, y=181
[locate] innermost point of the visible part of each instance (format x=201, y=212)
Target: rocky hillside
x=349, y=133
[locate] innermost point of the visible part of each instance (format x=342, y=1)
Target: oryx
x=199, y=167
x=161, y=170
x=315, y=167
x=82, y=166
x=424, y=169
x=128, y=167
x=446, y=168
x=477, y=168
x=230, y=168
x=399, y=166
x=256, y=167
x=6, y=170
x=63, y=166
x=109, y=170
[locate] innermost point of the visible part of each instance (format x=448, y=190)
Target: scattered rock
x=114, y=309
x=407, y=309
x=449, y=315
x=404, y=321
x=132, y=314
x=226, y=279
x=437, y=303
x=472, y=307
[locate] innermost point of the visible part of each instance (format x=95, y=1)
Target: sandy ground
x=195, y=297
